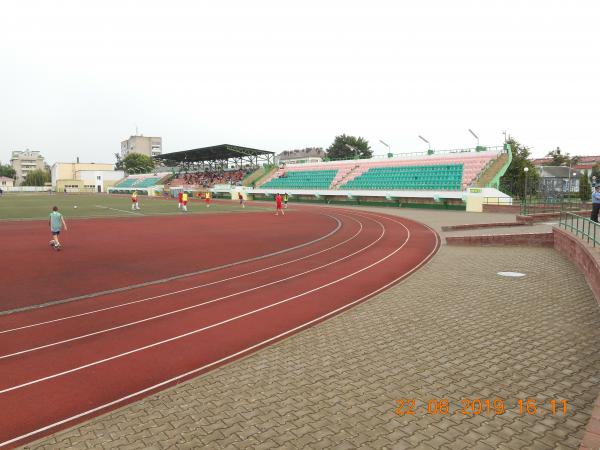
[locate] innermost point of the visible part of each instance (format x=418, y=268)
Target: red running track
x=65, y=363
x=105, y=254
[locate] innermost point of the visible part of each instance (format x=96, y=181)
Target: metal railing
x=422, y=154
x=581, y=226
x=498, y=201
x=531, y=206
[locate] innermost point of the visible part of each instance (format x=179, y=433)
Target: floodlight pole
x=571, y=182
x=526, y=170
x=475, y=136
x=425, y=140
x=353, y=149
x=389, y=149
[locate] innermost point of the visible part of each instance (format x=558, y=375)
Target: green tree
x=137, y=163
x=596, y=171
x=36, y=178
x=7, y=171
x=340, y=150
x=119, y=163
x=561, y=159
x=585, y=188
x=513, y=181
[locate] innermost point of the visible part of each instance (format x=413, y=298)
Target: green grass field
x=38, y=206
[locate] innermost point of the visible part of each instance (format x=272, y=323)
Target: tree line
x=38, y=177
x=513, y=181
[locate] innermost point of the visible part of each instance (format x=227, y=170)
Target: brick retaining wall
x=579, y=253
x=541, y=217
x=472, y=226
x=530, y=239
x=510, y=209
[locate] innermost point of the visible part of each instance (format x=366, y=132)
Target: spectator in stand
x=209, y=178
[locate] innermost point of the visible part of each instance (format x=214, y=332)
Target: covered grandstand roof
x=213, y=153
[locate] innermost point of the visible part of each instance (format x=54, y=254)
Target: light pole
x=475, y=136
x=526, y=170
x=354, y=149
x=389, y=149
x=426, y=141
x=569, y=185
x=571, y=182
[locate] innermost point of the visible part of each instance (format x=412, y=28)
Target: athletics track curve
x=65, y=363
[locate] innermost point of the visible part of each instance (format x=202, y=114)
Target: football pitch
x=24, y=206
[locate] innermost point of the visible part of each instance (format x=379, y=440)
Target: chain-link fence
x=547, y=195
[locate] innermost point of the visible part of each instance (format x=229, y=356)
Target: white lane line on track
x=158, y=316
x=241, y=352
x=154, y=297
x=174, y=338
x=120, y=210
x=177, y=277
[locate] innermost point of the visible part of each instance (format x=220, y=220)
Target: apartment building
x=146, y=145
x=24, y=162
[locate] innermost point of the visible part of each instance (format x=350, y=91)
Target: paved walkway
x=454, y=330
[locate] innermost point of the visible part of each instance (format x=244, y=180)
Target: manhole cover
x=511, y=274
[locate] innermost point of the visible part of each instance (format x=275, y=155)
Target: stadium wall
x=509, y=209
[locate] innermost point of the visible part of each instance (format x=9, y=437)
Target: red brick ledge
x=527, y=239
x=473, y=226
x=491, y=208
x=540, y=217
x=579, y=253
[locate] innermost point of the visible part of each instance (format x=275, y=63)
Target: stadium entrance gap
x=217, y=157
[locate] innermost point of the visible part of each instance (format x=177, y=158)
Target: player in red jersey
x=135, y=205
x=278, y=205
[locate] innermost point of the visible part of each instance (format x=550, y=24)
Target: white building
x=84, y=177
x=6, y=182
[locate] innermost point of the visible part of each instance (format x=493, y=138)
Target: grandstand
x=442, y=175
x=306, y=179
x=409, y=177
x=142, y=182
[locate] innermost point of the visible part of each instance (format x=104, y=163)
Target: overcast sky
x=77, y=77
